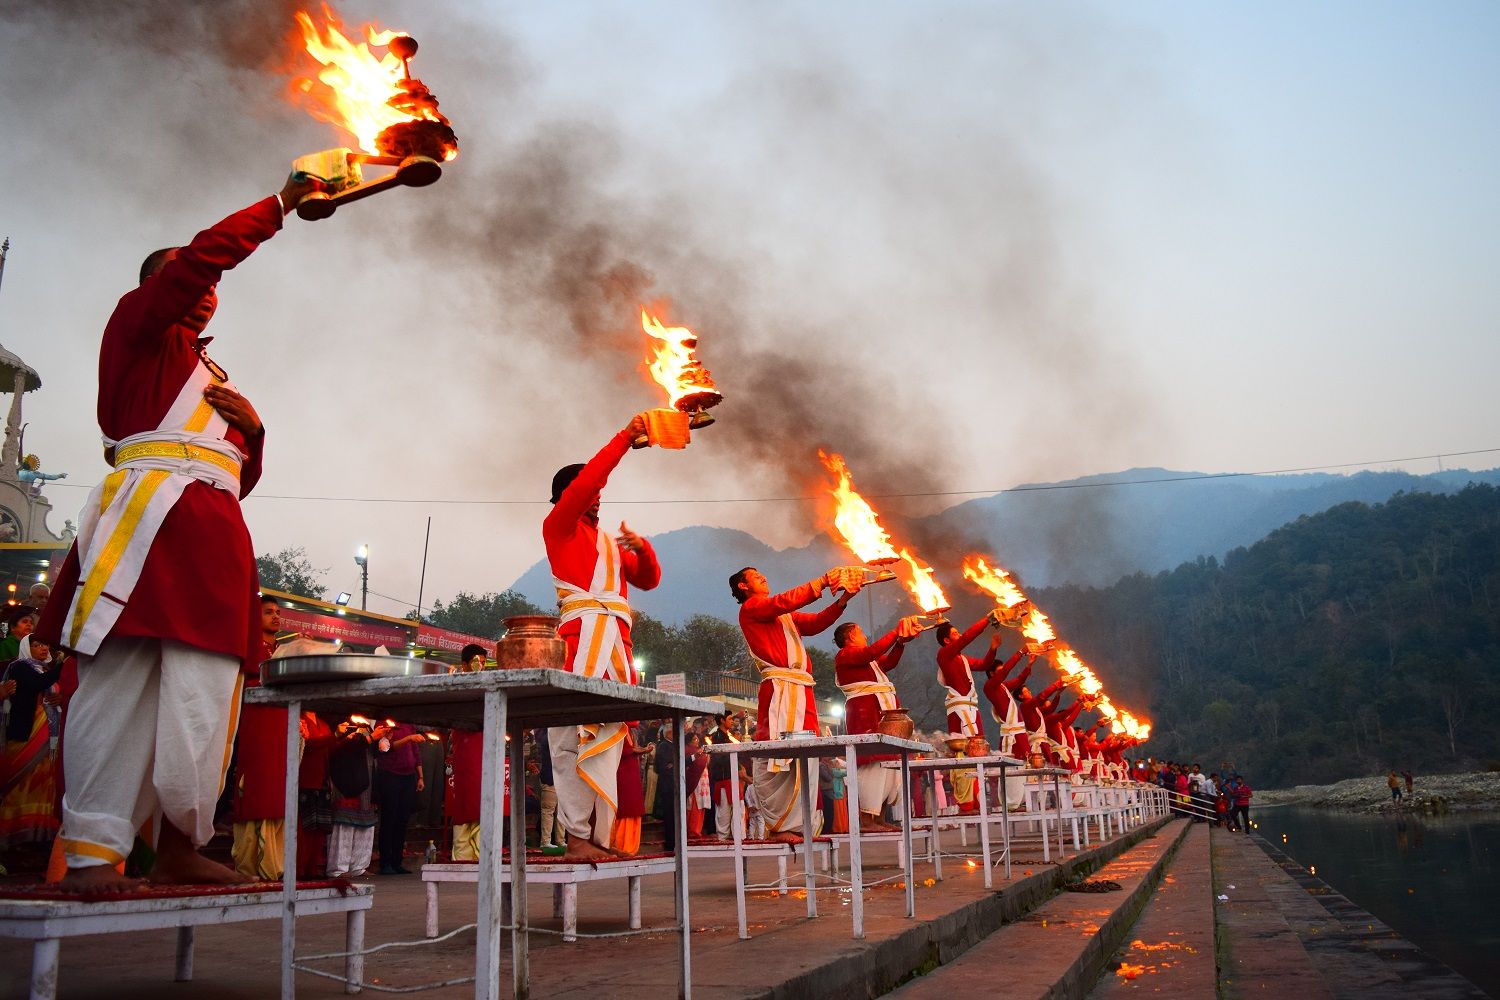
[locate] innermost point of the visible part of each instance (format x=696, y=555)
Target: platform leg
x=781, y=875
x=935, y=838
x=354, y=944
x=491, y=815
x=680, y=881
x=1005, y=820
x=519, y=916
x=184, y=972
x=634, y=891
x=292, y=763
x=738, y=832
x=911, y=865
x=856, y=850
x=432, y=909
x=570, y=912
x=44, y=969
x=804, y=765
x=984, y=824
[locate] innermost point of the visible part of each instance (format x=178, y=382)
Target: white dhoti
x=779, y=795
x=879, y=786
x=585, y=811
x=149, y=732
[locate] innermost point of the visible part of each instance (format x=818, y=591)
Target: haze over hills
x=1081, y=531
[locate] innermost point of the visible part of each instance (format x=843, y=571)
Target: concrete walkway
x=1284, y=931
x=1059, y=948
x=1170, y=953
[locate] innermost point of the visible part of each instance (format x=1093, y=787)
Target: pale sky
x=993, y=243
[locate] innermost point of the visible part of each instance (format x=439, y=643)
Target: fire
x=687, y=383
x=993, y=581
x=855, y=519
x=358, y=91
x=924, y=589
x=1067, y=662
x=360, y=720
x=1037, y=629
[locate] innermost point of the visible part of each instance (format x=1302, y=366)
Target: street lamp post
x=362, y=559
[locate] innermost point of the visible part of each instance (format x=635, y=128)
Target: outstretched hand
x=629, y=540
x=637, y=426
x=235, y=409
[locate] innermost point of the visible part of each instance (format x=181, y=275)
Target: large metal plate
x=344, y=667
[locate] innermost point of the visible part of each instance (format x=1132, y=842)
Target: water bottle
x=431, y=852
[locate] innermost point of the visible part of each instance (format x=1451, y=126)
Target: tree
x=290, y=572
x=482, y=614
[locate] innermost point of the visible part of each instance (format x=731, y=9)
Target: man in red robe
x=158, y=594
x=861, y=668
x=1059, y=725
x=956, y=674
x=773, y=628
x=260, y=785
x=1033, y=709
x=592, y=573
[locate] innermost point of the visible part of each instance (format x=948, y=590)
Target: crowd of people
x=1221, y=797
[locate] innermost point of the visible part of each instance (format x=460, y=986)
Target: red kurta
x=199, y=583
x=763, y=634
x=955, y=669
x=856, y=664
x=462, y=798
x=572, y=543
x=260, y=786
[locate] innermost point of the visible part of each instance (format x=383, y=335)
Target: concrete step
x=1170, y=951
x=1259, y=952
x=1058, y=949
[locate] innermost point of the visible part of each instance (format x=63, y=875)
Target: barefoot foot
x=97, y=878
x=179, y=863
x=585, y=850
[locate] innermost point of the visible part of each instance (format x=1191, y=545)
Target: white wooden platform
x=823, y=849
x=48, y=921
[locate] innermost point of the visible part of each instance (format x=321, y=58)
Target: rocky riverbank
x=1434, y=793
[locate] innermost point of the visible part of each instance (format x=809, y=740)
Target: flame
x=993, y=581
x=1036, y=628
x=1106, y=709
x=360, y=720
x=1067, y=662
x=672, y=365
x=356, y=90
x=855, y=519
x=924, y=589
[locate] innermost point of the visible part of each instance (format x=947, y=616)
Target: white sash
x=126, y=510
x=601, y=653
x=965, y=706
x=1011, y=725
x=881, y=687
x=789, y=686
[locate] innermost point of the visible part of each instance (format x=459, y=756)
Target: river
x=1435, y=879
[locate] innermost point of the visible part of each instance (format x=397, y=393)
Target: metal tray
x=343, y=667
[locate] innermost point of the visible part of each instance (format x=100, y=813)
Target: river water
x=1436, y=880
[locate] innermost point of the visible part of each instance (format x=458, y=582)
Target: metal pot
x=1036, y=759
x=531, y=641
x=957, y=745
x=978, y=746
x=896, y=722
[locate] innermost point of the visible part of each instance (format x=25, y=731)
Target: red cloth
x=260, y=785
x=572, y=543
x=759, y=622
x=999, y=690
x=462, y=794
x=1058, y=723
x=630, y=794
x=853, y=664
x=955, y=668
x=198, y=584
x=317, y=739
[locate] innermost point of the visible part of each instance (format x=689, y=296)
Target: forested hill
x=1344, y=643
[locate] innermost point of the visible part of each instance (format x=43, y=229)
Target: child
x=1221, y=810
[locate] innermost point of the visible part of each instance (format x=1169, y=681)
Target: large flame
x=360, y=92
x=855, y=519
x=672, y=365
x=1036, y=628
x=923, y=587
x=993, y=581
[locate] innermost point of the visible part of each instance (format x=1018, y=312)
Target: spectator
x=1242, y=794
x=18, y=625
x=696, y=785
x=667, y=785
x=28, y=768
x=1407, y=775
x=398, y=779
x=626, y=835
x=1221, y=810
x=553, y=835
x=1393, y=781
x=351, y=766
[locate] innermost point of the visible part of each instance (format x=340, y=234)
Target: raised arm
x=766, y=609
x=1019, y=681
x=642, y=570
x=579, y=495
x=815, y=622
x=948, y=652
x=168, y=295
